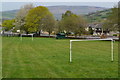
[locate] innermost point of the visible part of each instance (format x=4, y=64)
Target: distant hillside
x=9, y=14
x=58, y=10
x=98, y=16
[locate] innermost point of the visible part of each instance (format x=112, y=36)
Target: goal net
x=26, y=35
x=111, y=50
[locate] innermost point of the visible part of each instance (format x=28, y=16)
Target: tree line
x=36, y=19
x=30, y=19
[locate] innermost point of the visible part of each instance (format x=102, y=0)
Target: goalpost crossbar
x=92, y=40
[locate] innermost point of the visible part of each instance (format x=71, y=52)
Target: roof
x=98, y=25
x=95, y=25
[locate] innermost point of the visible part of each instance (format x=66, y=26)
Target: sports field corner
x=49, y=58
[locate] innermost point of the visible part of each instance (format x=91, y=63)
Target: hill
x=98, y=16
x=58, y=10
x=79, y=10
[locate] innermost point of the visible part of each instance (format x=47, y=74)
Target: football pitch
x=49, y=58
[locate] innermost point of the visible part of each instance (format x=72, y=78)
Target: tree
x=111, y=23
x=72, y=23
x=59, y=28
x=67, y=14
x=81, y=24
x=35, y=23
x=20, y=17
x=8, y=24
x=68, y=21
x=48, y=23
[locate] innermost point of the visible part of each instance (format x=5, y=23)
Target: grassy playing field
x=49, y=58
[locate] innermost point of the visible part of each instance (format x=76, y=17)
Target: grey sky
x=16, y=5
x=59, y=0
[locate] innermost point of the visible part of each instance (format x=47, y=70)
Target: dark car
x=60, y=36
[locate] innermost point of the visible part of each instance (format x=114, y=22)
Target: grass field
x=49, y=58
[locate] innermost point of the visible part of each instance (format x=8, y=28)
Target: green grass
x=49, y=58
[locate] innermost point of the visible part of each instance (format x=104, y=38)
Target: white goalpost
x=112, y=55
x=26, y=34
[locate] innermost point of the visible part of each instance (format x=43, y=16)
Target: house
x=97, y=29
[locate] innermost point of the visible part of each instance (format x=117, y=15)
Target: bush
x=114, y=34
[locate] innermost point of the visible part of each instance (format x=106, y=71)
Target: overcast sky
x=60, y=0
x=12, y=5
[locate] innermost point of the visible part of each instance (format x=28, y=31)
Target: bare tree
x=20, y=16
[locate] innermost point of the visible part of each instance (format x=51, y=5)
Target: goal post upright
x=21, y=37
x=70, y=51
x=112, y=52
x=32, y=37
